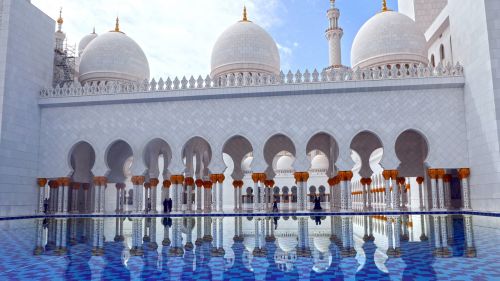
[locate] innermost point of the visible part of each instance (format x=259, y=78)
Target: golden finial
x=384, y=6
x=60, y=19
x=245, y=13
x=117, y=25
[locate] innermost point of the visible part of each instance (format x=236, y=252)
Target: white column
x=41, y=194
x=349, y=193
x=369, y=194
x=235, y=193
x=199, y=187
x=440, y=187
x=331, y=183
x=189, y=203
x=154, y=197
x=395, y=193
x=214, y=195
x=255, y=195
x=464, y=174
x=432, y=174
x=65, y=193
x=118, y=193
x=60, y=195
x=387, y=197
x=220, y=186
x=420, y=181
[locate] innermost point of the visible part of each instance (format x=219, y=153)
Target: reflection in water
x=260, y=248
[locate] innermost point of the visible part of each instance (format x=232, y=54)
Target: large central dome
x=245, y=47
x=388, y=38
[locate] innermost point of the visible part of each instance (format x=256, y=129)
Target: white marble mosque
x=411, y=124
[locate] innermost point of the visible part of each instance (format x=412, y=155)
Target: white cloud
x=176, y=35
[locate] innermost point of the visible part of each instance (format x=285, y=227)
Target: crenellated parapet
x=248, y=79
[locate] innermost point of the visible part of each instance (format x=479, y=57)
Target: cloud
x=176, y=35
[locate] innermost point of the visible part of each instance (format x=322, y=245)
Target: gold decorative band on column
x=85, y=186
x=463, y=173
x=237, y=183
x=41, y=182
x=256, y=177
x=147, y=185
x=166, y=184
x=207, y=184
x=301, y=176
x=189, y=181
x=440, y=173
x=368, y=181
x=120, y=185
x=75, y=185
x=420, y=180
x=101, y=180
x=269, y=183
x=177, y=179
x=401, y=180
x=387, y=174
x=53, y=184
x=394, y=174
x=154, y=182
x=65, y=181
x=217, y=178
x=138, y=180
x=345, y=175
x=199, y=183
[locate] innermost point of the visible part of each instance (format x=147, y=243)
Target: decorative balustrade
x=249, y=79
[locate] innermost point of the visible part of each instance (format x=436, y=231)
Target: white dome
x=245, y=47
x=113, y=56
x=319, y=161
x=85, y=41
x=287, y=243
x=387, y=38
x=284, y=163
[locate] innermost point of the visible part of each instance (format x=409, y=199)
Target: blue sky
x=177, y=35
x=305, y=22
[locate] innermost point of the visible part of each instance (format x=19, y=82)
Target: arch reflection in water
x=257, y=248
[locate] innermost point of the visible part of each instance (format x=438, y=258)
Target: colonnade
x=381, y=191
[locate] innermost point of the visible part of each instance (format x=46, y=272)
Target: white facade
x=451, y=116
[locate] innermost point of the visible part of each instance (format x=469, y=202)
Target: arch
x=327, y=145
x=364, y=143
x=197, y=154
x=412, y=149
x=238, y=148
x=274, y=145
x=154, y=150
x=115, y=157
x=81, y=158
x=433, y=61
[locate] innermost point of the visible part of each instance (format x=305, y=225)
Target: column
x=463, y=175
x=470, y=251
x=433, y=177
x=189, y=182
x=345, y=192
x=177, y=181
x=147, y=197
x=198, y=199
x=440, y=186
x=396, y=187
x=387, y=174
x=102, y=195
x=65, y=182
x=137, y=181
x=207, y=202
x=41, y=194
x=118, y=197
x=258, y=179
x=154, y=194
x=220, y=181
x=420, y=181
x=369, y=193
x=60, y=195
x=364, y=193
x=301, y=179
x=214, y=178
x=236, y=185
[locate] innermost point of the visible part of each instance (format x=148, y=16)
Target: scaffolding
x=64, y=65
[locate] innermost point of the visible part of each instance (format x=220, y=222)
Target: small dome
x=113, y=56
x=284, y=163
x=85, y=41
x=245, y=47
x=319, y=161
x=287, y=243
x=388, y=38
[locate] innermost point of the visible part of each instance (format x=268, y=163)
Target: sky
x=177, y=36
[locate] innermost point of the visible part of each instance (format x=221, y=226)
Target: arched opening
x=441, y=53
x=411, y=149
x=279, y=152
x=119, y=159
x=365, y=144
x=82, y=159
x=157, y=156
x=238, y=156
x=196, y=156
x=433, y=61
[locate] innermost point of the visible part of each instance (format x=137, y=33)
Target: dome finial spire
x=332, y=4
x=60, y=20
x=384, y=6
x=117, y=25
x=245, y=13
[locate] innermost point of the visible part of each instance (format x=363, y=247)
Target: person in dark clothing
x=45, y=205
x=165, y=205
x=317, y=219
x=317, y=204
x=276, y=222
x=169, y=205
x=275, y=206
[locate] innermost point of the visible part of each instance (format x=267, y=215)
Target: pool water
x=393, y=247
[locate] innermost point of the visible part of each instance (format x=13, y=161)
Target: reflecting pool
x=402, y=247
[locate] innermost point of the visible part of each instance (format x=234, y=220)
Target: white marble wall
x=26, y=58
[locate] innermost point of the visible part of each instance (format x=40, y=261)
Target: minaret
x=334, y=35
x=60, y=36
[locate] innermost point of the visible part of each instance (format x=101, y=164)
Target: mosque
x=411, y=124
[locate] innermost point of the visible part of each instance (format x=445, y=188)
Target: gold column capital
x=154, y=182
x=138, y=180
x=41, y=182
x=463, y=173
x=166, y=184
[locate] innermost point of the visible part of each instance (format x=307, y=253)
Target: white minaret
x=60, y=36
x=334, y=35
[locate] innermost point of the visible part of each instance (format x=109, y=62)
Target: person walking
x=275, y=206
x=165, y=205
